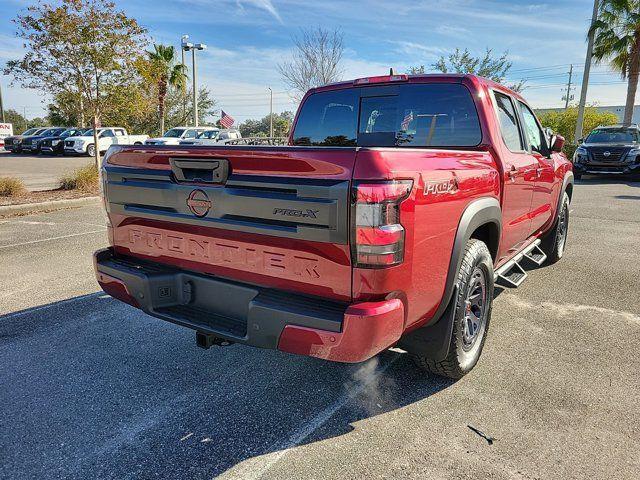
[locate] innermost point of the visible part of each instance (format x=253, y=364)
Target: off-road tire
x=554, y=244
x=462, y=358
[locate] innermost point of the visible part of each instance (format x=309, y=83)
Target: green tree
x=163, y=70
x=260, y=128
x=488, y=66
x=617, y=40
x=564, y=122
x=80, y=46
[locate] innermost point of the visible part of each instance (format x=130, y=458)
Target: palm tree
x=165, y=72
x=617, y=40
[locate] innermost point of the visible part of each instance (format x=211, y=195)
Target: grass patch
x=85, y=179
x=11, y=187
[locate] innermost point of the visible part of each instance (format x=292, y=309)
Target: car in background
x=31, y=144
x=609, y=150
x=175, y=135
x=85, y=144
x=214, y=137
x=54, y=144
x=14, y=143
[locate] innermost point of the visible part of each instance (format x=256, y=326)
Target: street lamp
x=186, y=46
x=270, y=112
x=183, y=42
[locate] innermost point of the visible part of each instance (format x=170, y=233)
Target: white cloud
x=264, y=5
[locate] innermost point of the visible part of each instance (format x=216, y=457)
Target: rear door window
x=507, y=117
x=409, y=115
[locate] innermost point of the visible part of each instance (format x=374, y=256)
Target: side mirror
x=580, y=140
x=558, y=143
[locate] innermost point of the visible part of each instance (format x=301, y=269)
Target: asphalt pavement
x=39, y=172
x=92, y=388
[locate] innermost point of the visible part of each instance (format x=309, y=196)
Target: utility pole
x=24, y=115
x=1, y=106
x=568, y=96
x=585, y=75
x=270, y=112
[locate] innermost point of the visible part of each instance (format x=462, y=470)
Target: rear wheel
x=554, y=243
x=472, y=314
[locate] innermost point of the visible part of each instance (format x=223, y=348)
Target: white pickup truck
x=106, y=137
x=177, y=134
x=214, y=137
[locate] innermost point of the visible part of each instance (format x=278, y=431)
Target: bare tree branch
x=316, y=60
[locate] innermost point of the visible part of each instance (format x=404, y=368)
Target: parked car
x=14, y=143
x=610, y=150
x=177, y=134
x=214, y=137
x=31, y=144
x=386, y=221
x=84, y=144
x=54, y=144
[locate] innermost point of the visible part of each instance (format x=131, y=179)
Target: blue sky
x=247, y=38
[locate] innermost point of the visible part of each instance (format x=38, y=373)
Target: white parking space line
x=52, y=238
x=257, y=468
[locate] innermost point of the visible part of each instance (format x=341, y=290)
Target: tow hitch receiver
x=207, y=340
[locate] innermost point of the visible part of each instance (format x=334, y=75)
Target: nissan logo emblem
x=199, y=203
x=607, y=153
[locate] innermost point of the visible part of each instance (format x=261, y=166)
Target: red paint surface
x=368, y=328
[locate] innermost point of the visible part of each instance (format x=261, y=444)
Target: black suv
x=609, y=150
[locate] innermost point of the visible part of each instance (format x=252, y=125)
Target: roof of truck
x=419, y=78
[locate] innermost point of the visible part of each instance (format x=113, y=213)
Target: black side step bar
x=512, y=273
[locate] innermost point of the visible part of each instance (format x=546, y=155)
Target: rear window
x=413, y=115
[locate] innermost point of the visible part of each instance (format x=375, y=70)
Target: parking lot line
x=51, y=239
x=257, y=468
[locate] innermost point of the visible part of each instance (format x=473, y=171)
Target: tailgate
x=275, y=217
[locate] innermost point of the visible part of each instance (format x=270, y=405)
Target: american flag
x=408, y=118
x=226, y=120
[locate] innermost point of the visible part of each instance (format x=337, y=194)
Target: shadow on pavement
x=92, y=388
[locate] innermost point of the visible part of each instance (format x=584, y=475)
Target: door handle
x=513, y=173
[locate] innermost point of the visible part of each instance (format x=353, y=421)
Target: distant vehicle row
x=64, y=140
x=80, y=141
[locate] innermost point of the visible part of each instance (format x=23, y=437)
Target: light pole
x=270, y=112
x=183, y=42
x=194, y=75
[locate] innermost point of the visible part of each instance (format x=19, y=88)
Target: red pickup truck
x=397, y=204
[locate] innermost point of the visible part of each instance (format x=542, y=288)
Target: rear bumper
x=253, y=315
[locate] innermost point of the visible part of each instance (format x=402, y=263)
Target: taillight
x=378, y=239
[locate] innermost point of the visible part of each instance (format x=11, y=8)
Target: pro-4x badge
x=440, y=187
